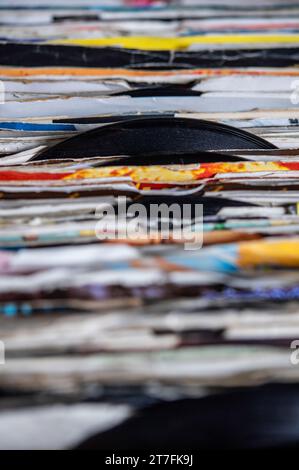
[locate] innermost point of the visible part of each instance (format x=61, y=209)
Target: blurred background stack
x=144, y=343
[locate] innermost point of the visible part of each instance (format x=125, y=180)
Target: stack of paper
x=149, y=210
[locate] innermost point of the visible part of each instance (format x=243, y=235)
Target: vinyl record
x=155, y=138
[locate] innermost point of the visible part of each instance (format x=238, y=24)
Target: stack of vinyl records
x=149, y=224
